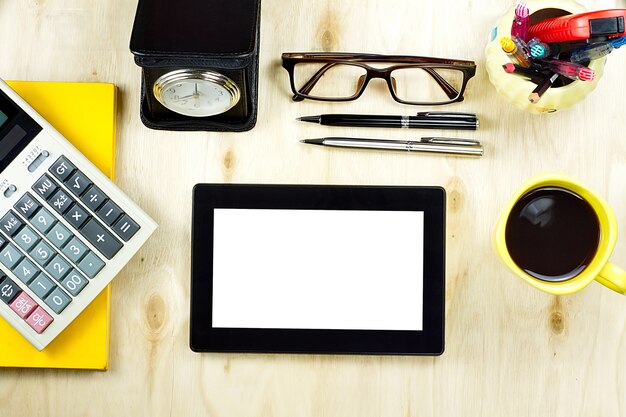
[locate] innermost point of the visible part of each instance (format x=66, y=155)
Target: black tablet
x=318, y=269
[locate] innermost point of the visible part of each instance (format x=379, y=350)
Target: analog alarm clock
x=199, y=66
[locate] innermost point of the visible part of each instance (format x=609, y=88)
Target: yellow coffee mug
x=599, y=268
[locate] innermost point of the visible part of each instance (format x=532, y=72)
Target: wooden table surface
x=510, y=349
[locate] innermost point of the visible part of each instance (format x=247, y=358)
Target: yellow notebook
x=85, y=114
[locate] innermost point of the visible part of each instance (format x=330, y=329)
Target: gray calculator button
x=57, y=300
x=76, y=216
x=126, y=227
x=44, y=186
x=43, y=220
x=58, y=268
x=2, y=241
x=27, y=206
x=74, y=282
x=78, y=183
x=62, y=168
x=42, y=253
x=10, y=223
x=26, y=238
x=10, y=256
x=61, y=201
x=59, y=235
x=94, y=198
x=8, y=289
x=101, y=238
x=91, y=265
x=26, y=271
x=75, y=250
x=42, y=286
x=109, y=212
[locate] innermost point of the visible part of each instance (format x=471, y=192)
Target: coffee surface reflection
x=552, y=234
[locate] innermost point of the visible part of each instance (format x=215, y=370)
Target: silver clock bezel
x=165, y=81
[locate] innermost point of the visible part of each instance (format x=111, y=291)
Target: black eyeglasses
x=344, y=76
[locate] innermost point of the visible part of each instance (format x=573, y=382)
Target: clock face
x=196, y=93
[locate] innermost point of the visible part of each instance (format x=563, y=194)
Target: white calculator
x=65, y=229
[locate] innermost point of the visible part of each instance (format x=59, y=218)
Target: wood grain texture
x=510, y=349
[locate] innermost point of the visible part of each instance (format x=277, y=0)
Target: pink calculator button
x=23, y=305
x=39, y=320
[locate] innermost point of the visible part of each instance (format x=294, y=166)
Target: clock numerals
x=196, y=93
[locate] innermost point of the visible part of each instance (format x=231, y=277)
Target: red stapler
x=602, y=24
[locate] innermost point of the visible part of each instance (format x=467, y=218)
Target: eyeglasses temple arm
x=306, y=88
x=449, y=90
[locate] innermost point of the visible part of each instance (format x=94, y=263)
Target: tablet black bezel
x=205, y=338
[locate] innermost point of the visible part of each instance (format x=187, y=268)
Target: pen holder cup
x=517, y=89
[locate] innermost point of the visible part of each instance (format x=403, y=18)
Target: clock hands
x=195, y=95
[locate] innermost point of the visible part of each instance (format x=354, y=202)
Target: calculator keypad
x=51, y=262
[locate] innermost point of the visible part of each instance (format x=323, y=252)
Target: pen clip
x=443, y=114
x=450, y=141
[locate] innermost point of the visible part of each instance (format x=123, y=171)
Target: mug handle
x=613, y=277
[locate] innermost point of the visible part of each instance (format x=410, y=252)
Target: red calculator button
x=23, y=305
x=39, y=320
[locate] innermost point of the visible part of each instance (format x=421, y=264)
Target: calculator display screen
x=17, y=129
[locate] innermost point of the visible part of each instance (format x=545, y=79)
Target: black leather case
x=219, y=35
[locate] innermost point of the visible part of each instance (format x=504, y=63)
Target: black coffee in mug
x=552, y=233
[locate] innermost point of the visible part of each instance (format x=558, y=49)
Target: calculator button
x=44, y=186
x=58, y=300
x=76, y=216
x=59, y=235
x=61, y=201
x=74, y=282
x=39, y=320
x=23, y=305
x=27, y=206
x=78, y=183
x=38, y=161
x=26, y=271
x=42, y=253
x=26, y=238
x=10, y=223
x=91, y=265
x=42, y=286
x=109, y=212
x=10, y=256
x=94, y=198
x=62, y=168
x=126, y=227
x=75, y=250
x=58, y=268
x=2, y=241
x=100, y=237
x=43, y=220
x=8, y=290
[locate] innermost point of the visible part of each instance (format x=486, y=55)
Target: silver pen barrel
x=401, y=145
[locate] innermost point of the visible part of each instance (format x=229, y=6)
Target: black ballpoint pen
x=423, y=120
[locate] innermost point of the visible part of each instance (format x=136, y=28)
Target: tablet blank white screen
x=318, y=269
